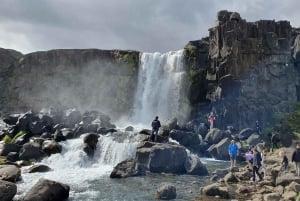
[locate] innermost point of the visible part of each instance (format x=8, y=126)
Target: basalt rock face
x=245, y=71
x=81, y=78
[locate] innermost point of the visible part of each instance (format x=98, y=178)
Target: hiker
x=249, y=158
x=256, y=164
x=258, y=128
x=296, y=159
x=263, y=165
x=233, y=152
x=284, y=162
x=155, y=127
x=211, y=119
x=274, y=141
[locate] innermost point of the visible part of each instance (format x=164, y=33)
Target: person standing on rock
x=233, y=152
x=256, y=164
x=296, y=159
x=155, y=127
x=211, y=119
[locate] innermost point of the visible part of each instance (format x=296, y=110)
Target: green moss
x=2, y=161
x=6, y=139
x=132, y=58
x=20, y=133
x=21, y=60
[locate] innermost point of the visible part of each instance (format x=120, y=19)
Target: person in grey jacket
x=296, y=159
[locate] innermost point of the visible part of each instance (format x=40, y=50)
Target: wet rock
x=12, y=156
x=90, y=142
x=166, y=191
x=46, y=189
x=214, y=136
x=185, y=138
x=124, y=169
x=7, y=190
x=129, y=128
x=216, y=189
x=194, y=166
x=245, y=133
x=10, y=173
x=220, y=150
x=6, y=148
x=51, y=147
x=38, y=168
x=31, y=151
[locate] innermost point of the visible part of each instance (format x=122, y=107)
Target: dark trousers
x=153, y=135
x=255, y=170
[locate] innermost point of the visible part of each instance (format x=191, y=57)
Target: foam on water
x=75, y=168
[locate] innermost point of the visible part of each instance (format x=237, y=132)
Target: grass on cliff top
x=288, y=126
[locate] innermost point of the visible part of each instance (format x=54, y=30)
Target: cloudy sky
x=144, y=25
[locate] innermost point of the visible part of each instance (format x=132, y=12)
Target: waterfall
x=159, y=84
x=75, y=168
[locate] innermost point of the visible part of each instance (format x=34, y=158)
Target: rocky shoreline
x=30, y=137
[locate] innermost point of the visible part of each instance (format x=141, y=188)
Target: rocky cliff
x=244, y=71
x=88, y=79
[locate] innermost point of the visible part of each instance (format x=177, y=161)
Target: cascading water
x=159, y=85
x=75, y=168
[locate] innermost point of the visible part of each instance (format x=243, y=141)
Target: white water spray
x=75, y=168
x=159, y=84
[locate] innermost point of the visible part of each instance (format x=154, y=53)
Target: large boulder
x=216, y=189
x=166, y=191
x=47, y=190
x=157, y=157
x=185, y=138
x=10, y=173
x=214, y=136
x=124, y=169
x=51, y=147
x=7, y=190
x=31, y=151
x=245, y=133
x=90, y=141
x=194, y=166
x=220, y=150
x=6, y=148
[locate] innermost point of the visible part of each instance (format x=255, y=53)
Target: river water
x=89, y=178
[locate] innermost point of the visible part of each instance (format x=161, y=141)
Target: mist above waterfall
x=159, y=85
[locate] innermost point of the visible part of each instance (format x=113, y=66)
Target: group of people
x=255, y=160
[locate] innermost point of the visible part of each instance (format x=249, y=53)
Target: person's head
x=232, y=141
x=156, y=118
x=254, y=150
x=298, y=146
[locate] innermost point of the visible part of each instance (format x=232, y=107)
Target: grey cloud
x=144, y=25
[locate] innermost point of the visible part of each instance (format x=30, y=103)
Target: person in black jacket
x=155, y=127
x=256, y=164
x=296, y=159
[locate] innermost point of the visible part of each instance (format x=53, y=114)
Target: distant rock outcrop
x=244, y=70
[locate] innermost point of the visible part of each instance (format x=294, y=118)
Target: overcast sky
x=143, y=25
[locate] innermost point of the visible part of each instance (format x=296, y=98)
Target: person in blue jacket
x=233, y=152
